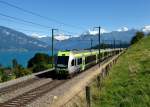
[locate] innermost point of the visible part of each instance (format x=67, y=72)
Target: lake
x=22, y=57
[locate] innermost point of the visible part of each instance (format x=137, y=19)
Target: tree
x=3, y=75
x=39, y=58
x=14, y=63
x=137, y=37
x=39, y=62
x=19, y=70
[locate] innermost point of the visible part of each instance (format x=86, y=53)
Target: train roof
x=83, y=52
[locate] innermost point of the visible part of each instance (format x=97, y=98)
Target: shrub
x=39, y=67
x=137, y=37
x=20, y=71
x=25, y=72
x=1, y=73
x=3, y=76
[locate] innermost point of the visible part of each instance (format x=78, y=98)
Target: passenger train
x=69, y=63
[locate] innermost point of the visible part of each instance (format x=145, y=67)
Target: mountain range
x=84, y=41
x=13, y=40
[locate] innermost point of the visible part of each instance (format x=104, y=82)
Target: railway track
x=30, y=96
x=14, y=87
x=11, y=88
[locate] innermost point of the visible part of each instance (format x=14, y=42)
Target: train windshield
x=63, y=60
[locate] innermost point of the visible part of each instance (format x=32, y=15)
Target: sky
x=77, y=16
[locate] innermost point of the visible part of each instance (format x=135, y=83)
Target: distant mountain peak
x=37, y=35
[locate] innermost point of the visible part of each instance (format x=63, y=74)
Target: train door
x=73, y=67
x=83, y=63
x=96, y=58
x=78, y=64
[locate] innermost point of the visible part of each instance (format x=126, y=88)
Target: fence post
x=88, y=96
x=103, y=72
x=106, y=70
x=98, y=81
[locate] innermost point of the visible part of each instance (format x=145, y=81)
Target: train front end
x=61, y=66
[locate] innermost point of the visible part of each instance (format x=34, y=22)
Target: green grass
x=128, y=84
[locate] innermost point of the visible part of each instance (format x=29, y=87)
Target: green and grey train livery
x=71, y=62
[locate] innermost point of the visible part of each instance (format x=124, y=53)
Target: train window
x=100, y=56
x=79, y=61
x=73, y=62
x=63, y=60
x=89, y=59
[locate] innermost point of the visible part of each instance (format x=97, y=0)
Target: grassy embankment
x=128, y=84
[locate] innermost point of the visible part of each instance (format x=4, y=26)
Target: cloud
x=61, y=37
x=146, y=29
x=37, y=35
x=95, y=32
x=123, y=29
x=104, y=31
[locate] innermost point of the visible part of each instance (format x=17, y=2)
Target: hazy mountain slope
x=14, y=40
